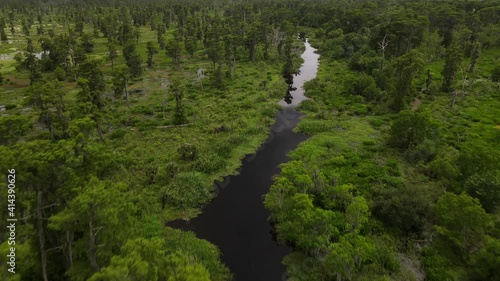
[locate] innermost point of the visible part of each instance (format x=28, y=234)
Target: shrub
x=60, y=74
x=189, y=189
x=10, y=106
x=411, y=129
x=188, y=151
x=209, y=163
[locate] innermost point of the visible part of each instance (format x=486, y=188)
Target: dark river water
x=236, y=220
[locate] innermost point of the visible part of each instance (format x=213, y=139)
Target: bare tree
x=383, y=44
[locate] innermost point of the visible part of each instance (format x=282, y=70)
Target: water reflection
x=295, y=91
x=288, y=96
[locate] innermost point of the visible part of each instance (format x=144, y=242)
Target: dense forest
x=117, y=117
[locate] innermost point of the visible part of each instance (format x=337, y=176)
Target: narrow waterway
x=236, y=220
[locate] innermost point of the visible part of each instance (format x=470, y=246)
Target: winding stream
x=236, y=220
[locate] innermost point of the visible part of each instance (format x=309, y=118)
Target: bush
x=60, y=74
x=411, y=129
x=314, y=126
x=308, y=105
x=363, y=85
x=189, y=189
x=188, y=151
x=118, y=134
x=209, y=163
x=10, y=106
x=424, y=152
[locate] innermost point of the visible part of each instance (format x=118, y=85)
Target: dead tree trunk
x=383, y=44
x=453, y=99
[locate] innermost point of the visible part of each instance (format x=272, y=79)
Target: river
x=236, y=220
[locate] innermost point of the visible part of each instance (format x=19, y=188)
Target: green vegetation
x=118, y=116
x=399, y=180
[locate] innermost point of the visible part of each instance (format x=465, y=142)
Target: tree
x=411, y=128
x=60, y=73
x=87, y=43
x=451, y=66
x=190, y=44
x=133, y=60
x=217, y=78
x=120, y=81
x=479, y=173
x=102, y=211
x=485, y=264
x=31, y=63
x=462, y=221
x=151, y=52
x=12, y=128
x=406, y=209
x=347, y=257
x=90, y=98
x=363, y=85
x=179, y=115
x=173, y=50
x=471, y=71
x=309, y=228
x=48, y=98
x=161, y=29
x=112, y=54
x=407, y=66
x=357, y=214
x=143, y=259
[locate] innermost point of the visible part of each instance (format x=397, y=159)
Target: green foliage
x=48, y=98
x=208, y=163
x=323, y=200
x=179, y=114
x=366, y=62
x=436, y=267
x=87, y=43
x=308, y=228
x=452, y=63
x=462, y=221
x=143, y=259
x=120, y=81
x=202, y=251
x=363, y=85
x=188, y=151
x=485, y=264
x=173, y=50
x=444, y=167
x=151, y=52
x=60, y=74
x=411, y=128
x=407, y=67
x=406, y=209
x=188, y=189
x=479, y=172
x=133, y=60
x=12, y=128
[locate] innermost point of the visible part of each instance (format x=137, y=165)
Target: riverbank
x=236, y=220
x=353, y=204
